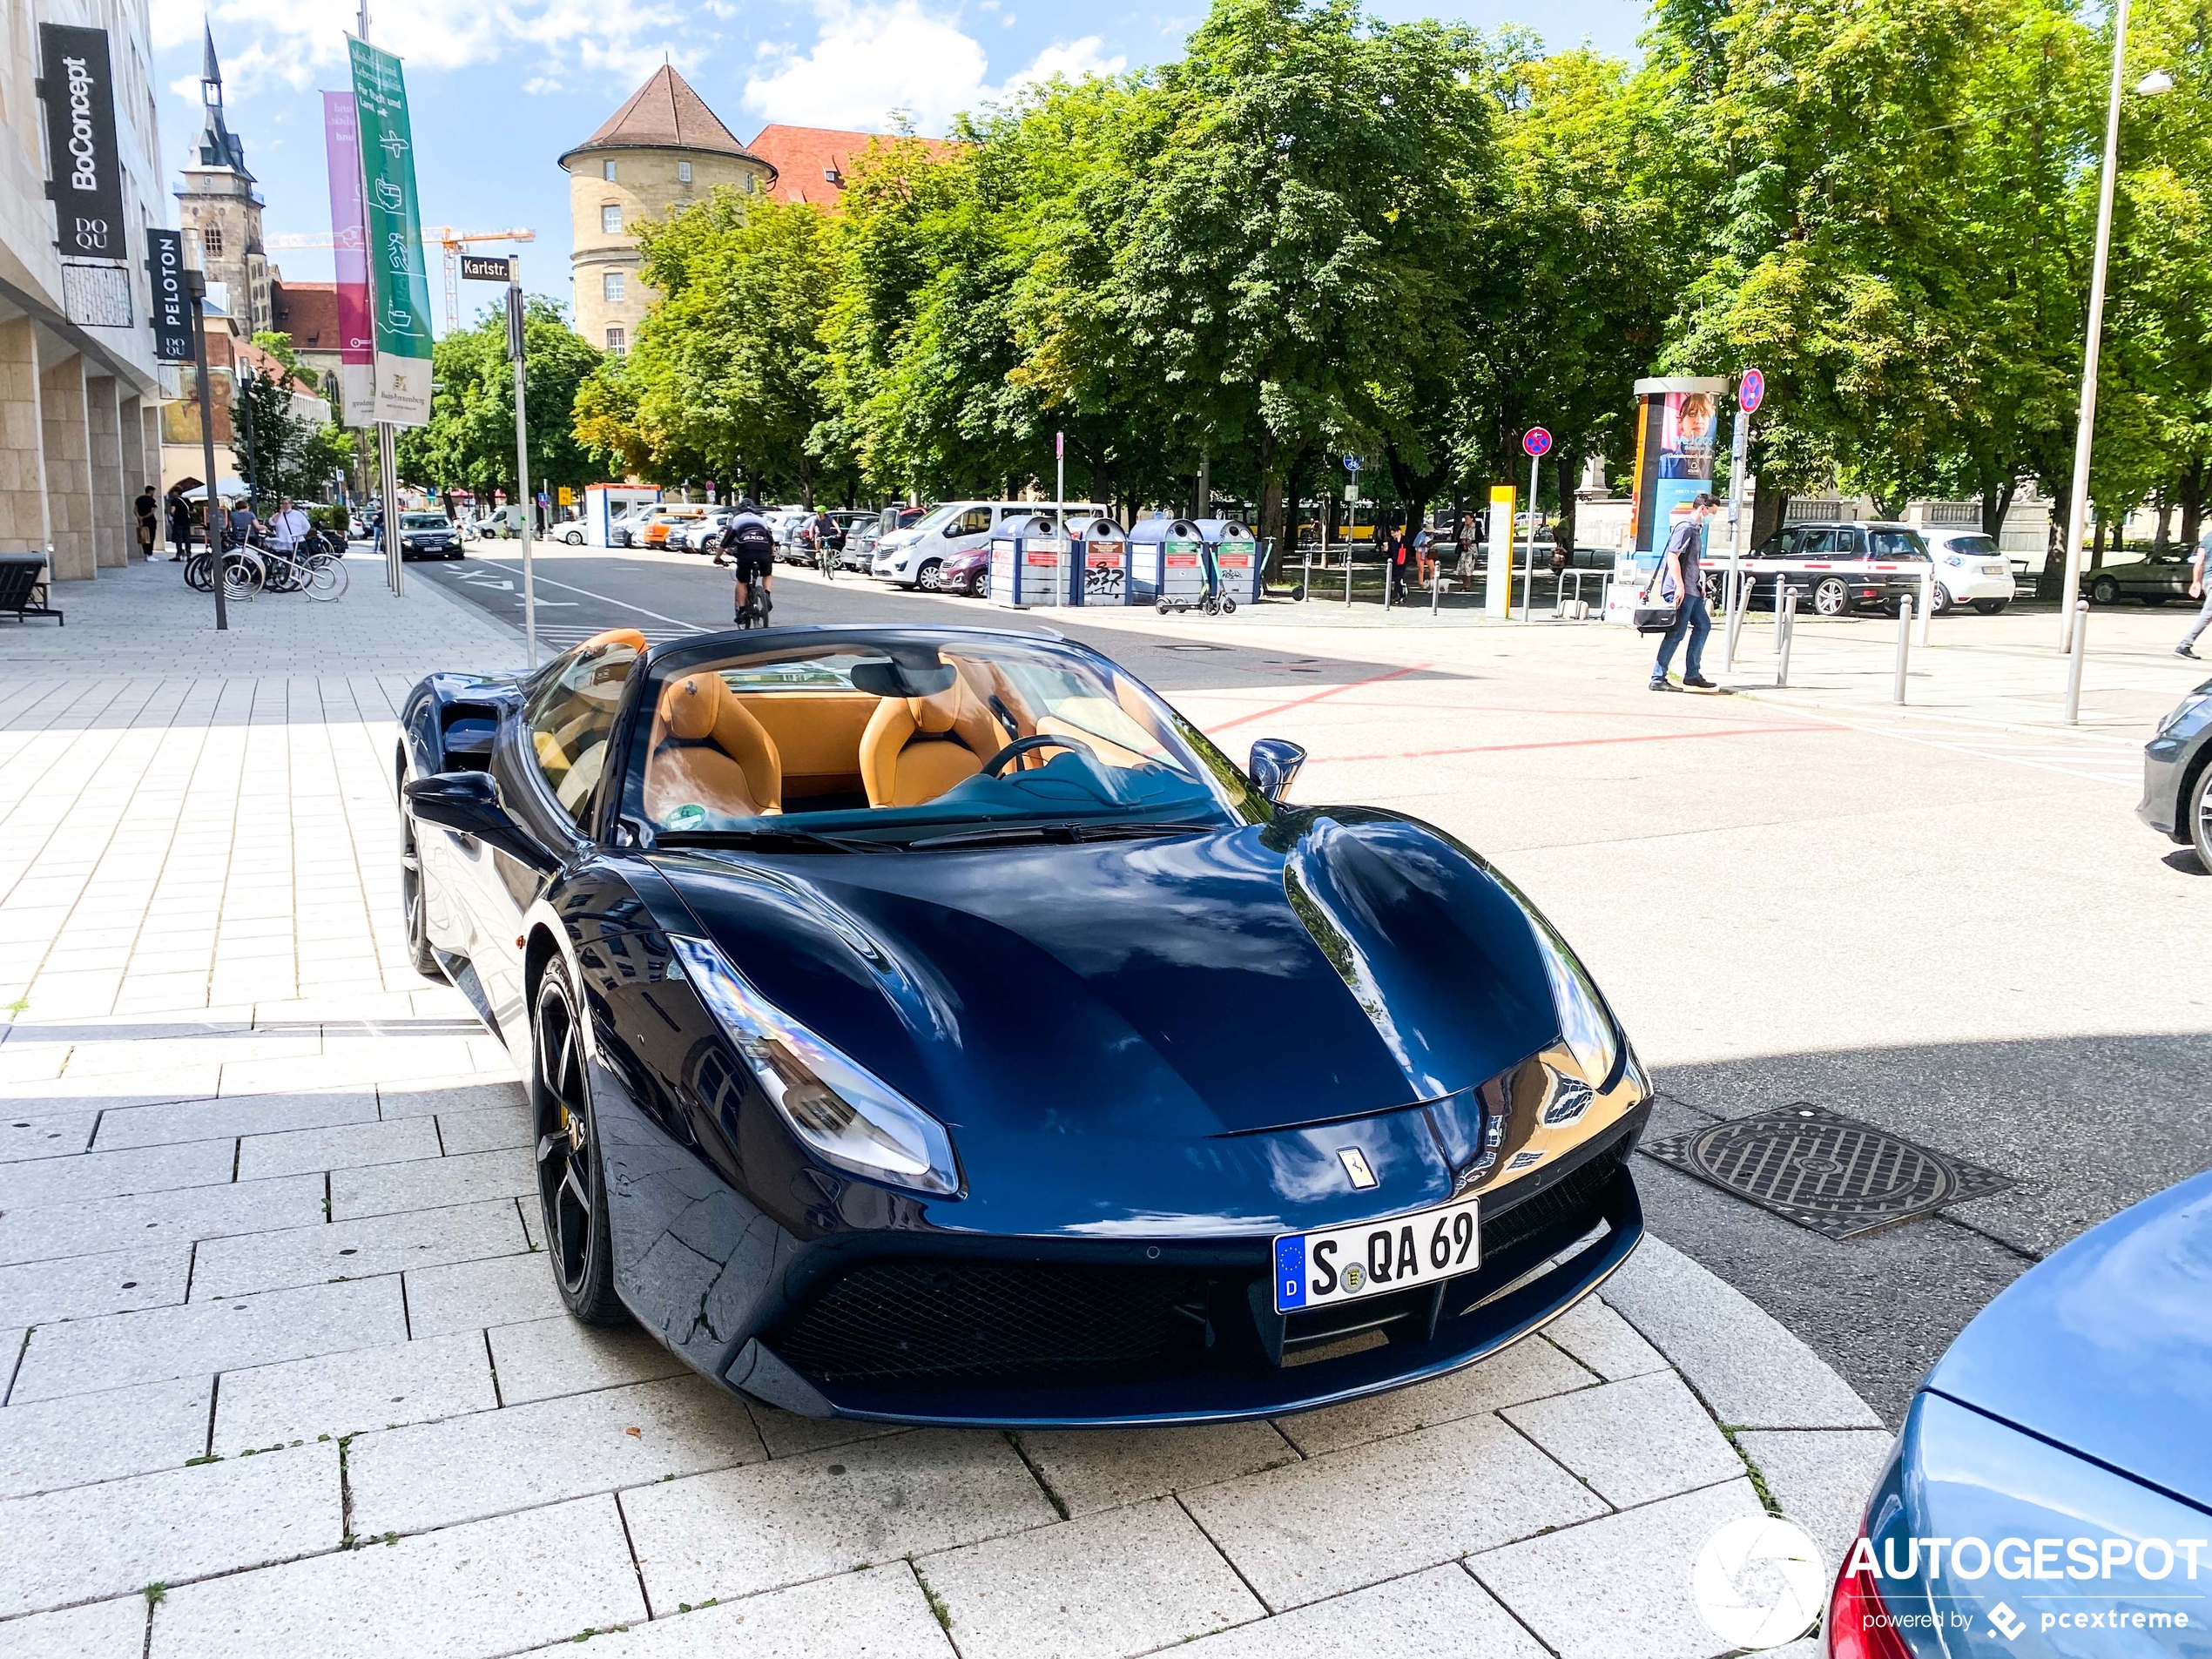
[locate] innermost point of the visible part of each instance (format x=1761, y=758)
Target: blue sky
x=501, y=87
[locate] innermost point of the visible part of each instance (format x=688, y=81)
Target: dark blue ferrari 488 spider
x=930, y=1024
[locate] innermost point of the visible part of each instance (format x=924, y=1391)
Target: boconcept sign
x=80, y=131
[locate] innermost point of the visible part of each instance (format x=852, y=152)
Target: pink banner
x=348, y=237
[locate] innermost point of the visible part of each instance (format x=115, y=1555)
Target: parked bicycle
x=312, y=568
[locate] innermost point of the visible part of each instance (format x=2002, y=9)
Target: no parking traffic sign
x=1536, y=441
x=1751, y=391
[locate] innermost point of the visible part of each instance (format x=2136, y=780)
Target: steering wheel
x=997, y=763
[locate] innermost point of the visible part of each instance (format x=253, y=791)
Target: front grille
x=1578, y=1196
x=920, y=1321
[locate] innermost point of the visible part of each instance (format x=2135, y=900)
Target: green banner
x=399, y=275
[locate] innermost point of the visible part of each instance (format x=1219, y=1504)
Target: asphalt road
x=1990, y=958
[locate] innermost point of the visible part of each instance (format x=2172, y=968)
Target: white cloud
x=872, y=58
x=299, y=42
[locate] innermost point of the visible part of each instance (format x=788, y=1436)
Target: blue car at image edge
x=2051, y=1493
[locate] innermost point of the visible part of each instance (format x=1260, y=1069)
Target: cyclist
x=748, y=541
x=828, y=540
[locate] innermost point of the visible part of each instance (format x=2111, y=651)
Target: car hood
x=2105, y=1348
x=1330, y=965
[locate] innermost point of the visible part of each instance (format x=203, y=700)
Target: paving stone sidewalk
x=285, y=1374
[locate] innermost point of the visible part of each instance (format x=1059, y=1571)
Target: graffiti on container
x=1102, y=581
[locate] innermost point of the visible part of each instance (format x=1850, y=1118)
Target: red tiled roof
x=306, y=311
x=811, y=164
x=662, y=114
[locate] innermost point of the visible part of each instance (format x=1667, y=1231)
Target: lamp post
x=2151, y=86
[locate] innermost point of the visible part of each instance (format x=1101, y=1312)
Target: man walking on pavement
x=1680, y=579
x=2198, y=590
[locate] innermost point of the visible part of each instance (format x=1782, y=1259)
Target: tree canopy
x=1321, y=231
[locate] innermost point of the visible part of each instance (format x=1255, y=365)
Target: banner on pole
x=173, y=341
x=87, y=191
x=398, y=276
x=349, y=252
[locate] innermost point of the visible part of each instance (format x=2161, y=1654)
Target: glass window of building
x=615, y=343
x=607, y=172
x=610, y=219
x=683, y=172
x=210, y=241
x=610, y=287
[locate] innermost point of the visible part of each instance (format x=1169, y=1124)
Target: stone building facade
x=79, y=402
x=661, y=151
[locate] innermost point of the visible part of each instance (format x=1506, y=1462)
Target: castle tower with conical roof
x=662, y=150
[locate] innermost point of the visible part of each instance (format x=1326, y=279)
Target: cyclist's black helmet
x=748, y=505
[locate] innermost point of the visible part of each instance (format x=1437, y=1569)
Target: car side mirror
x=468, y=803
x=1274, y=766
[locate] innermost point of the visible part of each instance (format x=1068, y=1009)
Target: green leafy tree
x=470, y=442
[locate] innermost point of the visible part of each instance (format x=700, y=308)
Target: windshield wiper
x=772, y=840
x=1050, y=834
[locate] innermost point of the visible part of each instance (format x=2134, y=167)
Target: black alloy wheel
x=571, y=1187
x=419, y=956
x=1831, y=597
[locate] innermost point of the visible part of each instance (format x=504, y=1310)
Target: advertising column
x=1676, y=419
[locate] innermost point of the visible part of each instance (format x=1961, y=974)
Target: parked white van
x=912, y=557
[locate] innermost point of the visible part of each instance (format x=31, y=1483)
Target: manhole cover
x=1834, y=1174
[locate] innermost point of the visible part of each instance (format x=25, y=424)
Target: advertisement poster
x=349, y=249
x=399, y=277
x=87, y=191
x=1678, y=420
x=172, y=337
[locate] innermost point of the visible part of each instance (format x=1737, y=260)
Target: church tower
x=219, y=206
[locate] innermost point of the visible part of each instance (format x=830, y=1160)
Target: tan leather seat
x=709, y=752
x=915, y=748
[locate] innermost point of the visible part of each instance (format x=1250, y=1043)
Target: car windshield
x=936, y=516
x=909, y=739
x=425, y=522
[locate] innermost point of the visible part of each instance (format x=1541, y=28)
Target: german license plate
x=1343, y=1263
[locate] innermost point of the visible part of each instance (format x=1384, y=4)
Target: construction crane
x=448, y=238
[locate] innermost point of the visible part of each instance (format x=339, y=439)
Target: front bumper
x=2166, y=769
x=970, y=1333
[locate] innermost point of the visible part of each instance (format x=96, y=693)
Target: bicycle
x=826, y=560
x=310, y=569
x=754, y=612
x=242, y=573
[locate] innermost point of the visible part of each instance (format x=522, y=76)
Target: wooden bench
x=23, y=587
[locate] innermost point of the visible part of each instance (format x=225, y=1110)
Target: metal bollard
x=1435, y=589
x=1927, y=601
x=1734, y=620
x=1904, y=648
x=1347, y=574
x=2073, y=662
x=1305, y=573
x=1785, y=623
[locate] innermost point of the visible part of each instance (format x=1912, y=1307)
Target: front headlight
x=2182, y=710
x=845, y=1114
x=1584, y=1026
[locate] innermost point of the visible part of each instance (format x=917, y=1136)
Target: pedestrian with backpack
x=1680, y=581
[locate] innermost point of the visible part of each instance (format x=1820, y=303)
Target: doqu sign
x=80, y=131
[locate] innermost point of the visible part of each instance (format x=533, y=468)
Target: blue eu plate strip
x=1289, y=1273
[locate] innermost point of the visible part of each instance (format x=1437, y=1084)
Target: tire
x=571, y=1186
x=414, y=905
x=928, y=577
x=1991, y=607
x=2198, y=805
x=1228, y=607
x=2104, y=592
x=1164, y=607
x=574, y=538
x=1831, y=597
x=1944, y=604
x=200, y=573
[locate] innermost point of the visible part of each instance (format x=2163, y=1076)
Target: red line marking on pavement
x=1330, y=690
x=1584, y=743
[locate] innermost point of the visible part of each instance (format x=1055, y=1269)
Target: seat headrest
x=628, y=636
x=936, y=714
x=690, y=706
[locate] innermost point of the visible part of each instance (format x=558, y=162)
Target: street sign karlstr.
x=1751, y=391
x=1536, y=441
x=480, y=267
